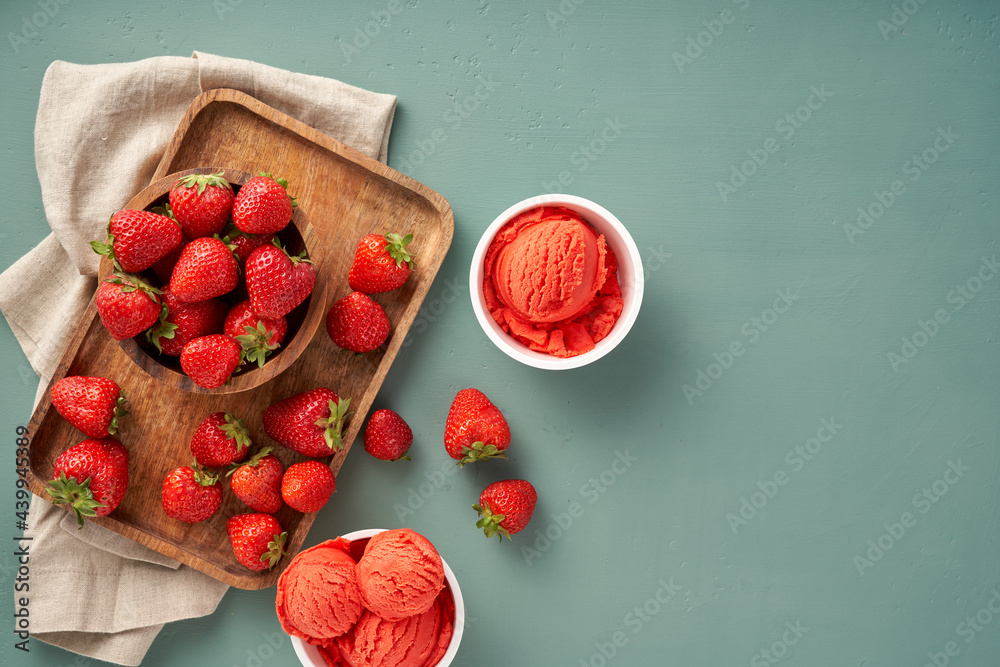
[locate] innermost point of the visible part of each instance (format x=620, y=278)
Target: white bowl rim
x=516, y=350
x=309, y=655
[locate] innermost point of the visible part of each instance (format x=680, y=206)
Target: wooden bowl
x=302, y=321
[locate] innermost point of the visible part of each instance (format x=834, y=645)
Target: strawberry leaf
x=479, y=452
x=275, y=550
x=236, y=430
x=68, y=491
x=120, y=411
x=397, y=248
x=334, y=424
x=162, y=328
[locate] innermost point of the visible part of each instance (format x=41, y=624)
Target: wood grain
x=345, y=195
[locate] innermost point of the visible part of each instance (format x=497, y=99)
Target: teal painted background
x=828, y=446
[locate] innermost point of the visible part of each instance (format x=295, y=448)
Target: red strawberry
x=381, y=263
x=475, y=429
x=202, y=203
x=127, y=305
x=243, y=244
x=220, y=439
x=91, y=404
x=387, y=436
x=277, y=282
x=263, y=205
x=258, y=540
x=191, y=495
x=210, y=360
x=309, y=423
x=357, y=323
x=259, y=337
x=136, y=239
x=90, y=477
x=206, y=269
x=258, y=482
x=307, y=486
x=505, y=507
x=182, y=322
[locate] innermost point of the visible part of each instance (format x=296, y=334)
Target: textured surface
x=498, y=102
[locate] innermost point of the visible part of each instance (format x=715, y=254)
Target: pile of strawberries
x=206, y=277
x=92, y=476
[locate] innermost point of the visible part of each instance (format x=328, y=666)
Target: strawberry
x=387, y=436
x=258, y=540
x=220, y=440
x=475, y=429
x=182, y=322
x=91, y=404
x=136, y=239
x=202, y=203
x=258, y=482
x=210, y=360
x=206, y=269
x=127, y=305
x=258, y=336
x=307, y=486
x=243, y=244
x=505, y=507
x=357, y=323
x=309, y=423
x=276, y=281
x=90, y=477
x=263, y=206
x=191, y=495
x=381, y=263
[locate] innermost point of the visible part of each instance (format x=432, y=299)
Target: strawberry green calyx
x=397, y=248
x=275, y=550
x=204, y=477
x=120, y=411
x=165, y=211
x=490, y=522
x=236, y=430
x=301, y=258
x=334, y=424
x=253, y=462
x=229, y=244
x=131, y=282
x=282, y=182
x=107, y=248
x=162, y=328
x=479, y=452
x=68, y=491
x=255, y=343
x=202, y=181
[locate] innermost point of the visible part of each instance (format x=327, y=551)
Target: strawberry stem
x=397, y=248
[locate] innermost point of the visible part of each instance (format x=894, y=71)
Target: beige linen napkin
x=99, y=135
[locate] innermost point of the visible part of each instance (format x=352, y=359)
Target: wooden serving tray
x=346, y=195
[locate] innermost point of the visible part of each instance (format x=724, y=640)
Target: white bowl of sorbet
x=544, y=266
x=310, y=656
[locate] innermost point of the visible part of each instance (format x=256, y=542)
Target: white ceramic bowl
x=629, y=276
x=309, y=655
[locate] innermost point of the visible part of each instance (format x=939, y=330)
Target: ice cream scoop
x=400, y=574
x=549, y=264
x=415, y=641
x=318, y=597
